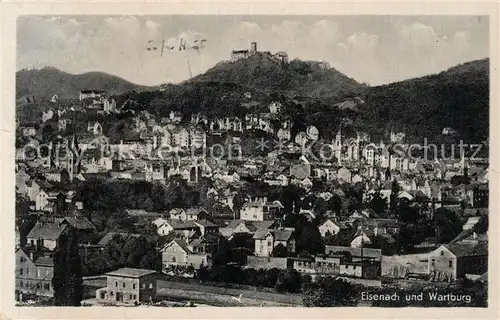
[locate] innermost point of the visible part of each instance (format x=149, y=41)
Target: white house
x=331, y=226
x=267, y=240
x=275, y=107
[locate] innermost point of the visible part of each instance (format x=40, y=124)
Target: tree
x=67, y=279
x=394, y=194
x=280, y=251
x=378, y=204
x=330, y=292
x=446, y=224
x=482, y=225
x=288, y=281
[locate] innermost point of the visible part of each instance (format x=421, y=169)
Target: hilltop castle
x=280, y=56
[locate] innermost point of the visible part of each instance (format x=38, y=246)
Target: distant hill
x=298, y=78
x=456, y=98
x=44, y=83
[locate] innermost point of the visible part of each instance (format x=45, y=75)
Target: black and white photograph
x=201, y=161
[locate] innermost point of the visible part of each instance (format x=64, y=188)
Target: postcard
x=186, y=159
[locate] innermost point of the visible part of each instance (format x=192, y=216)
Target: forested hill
x=298, y=78
x=46, y=82
x=456, y=98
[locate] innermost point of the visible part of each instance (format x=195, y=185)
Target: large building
x=128, y=286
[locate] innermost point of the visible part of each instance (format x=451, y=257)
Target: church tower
x=338, y=146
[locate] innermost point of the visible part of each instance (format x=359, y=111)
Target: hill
x=456, y=98
x=44, y=83
x=298, y=78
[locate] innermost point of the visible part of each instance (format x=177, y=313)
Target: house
x=91, y=94
x=454, y=261
x=362, y=237
x=206, y=227
x=188, y=214
x=196, y=214
x=236, y=227
x=301, y=138
x=46, y=235
x=180, y=253
x=80, y=223
x=284, y=134
x=29, y=131
x=275, y=107
x=331, y=226
x=267, y=240
x=312, y=133
x=159, y=222
x=128, y=286
x=356, y=253
x=471, y=222
x=33, y=273
x=260, y=210
x=181, y=226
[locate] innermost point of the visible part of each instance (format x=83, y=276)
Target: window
x=23, y=259
x=133, y=285
x=28, y=271
x=124, y=285
x=173, y=259
x=46, y=286
x=143, y=286
x=135, y=297
x=130, y=296
x=46, y=272
x=450, y=263
x=150, y=286
x=116, y=284
x=111, y=293
x=442, y=252
x=21, y=271
x=38, y=273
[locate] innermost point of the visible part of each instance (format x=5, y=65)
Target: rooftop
x=130, y=272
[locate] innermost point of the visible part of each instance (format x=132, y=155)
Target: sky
x=371, y=49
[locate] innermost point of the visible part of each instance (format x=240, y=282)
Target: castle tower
x=253, y=48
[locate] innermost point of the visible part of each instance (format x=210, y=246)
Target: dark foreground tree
x=330, y=292
x=67, y=280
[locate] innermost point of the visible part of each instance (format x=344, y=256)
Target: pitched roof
x=79, y=222
x=47, y=231
x=181, y=244
x=130, y=272
x=206, y=223
x=261, y=234
x=44, y=261
x=356, y=252
x=282, y=235
x=234, y=223
x=465, y=249
x=179, y=225
x=260, y=225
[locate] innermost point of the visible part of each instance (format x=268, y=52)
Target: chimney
x=474, y=235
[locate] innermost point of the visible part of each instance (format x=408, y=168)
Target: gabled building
x=454, y=261
x=128, y=286
x=46, y=235
x=330, y=225
x=260, y=210
x=267, y=240
x=179, y=253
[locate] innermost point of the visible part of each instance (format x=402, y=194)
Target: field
x=225, y=296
